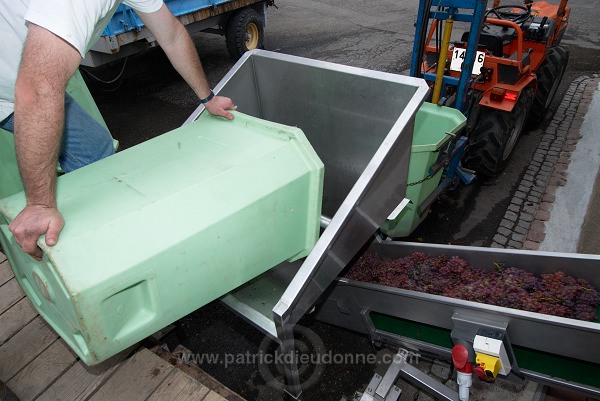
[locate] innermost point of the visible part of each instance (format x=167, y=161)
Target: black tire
x=549, y=76
x=245, y=32
x=495, y=136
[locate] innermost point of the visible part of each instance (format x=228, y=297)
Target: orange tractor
x=502, y=72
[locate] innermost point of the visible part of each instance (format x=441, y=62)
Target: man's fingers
x=24, y=237
x=37, y=253
x=230, y=106
x=28, y=243
x=54, y=228
x=219, y=105
x=31, y=223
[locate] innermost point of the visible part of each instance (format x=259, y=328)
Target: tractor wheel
x=495, y=136
x=549, y=76
x=244, y=32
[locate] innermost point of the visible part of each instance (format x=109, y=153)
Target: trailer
x=242, y=22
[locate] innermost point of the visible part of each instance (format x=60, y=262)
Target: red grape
x=554, y=293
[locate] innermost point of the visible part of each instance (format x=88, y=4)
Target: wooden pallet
x=36, y=364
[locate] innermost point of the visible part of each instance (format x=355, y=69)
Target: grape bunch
x=554, y=294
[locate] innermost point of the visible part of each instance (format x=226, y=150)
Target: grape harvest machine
x=549, y=350
x=371, y=131
x=358, y=198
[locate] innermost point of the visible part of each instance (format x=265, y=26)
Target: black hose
x=107, y=82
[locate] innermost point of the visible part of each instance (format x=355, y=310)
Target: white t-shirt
x=79, y=22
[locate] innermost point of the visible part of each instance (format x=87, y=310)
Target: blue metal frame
x=421, y=27
x=476, y=19
x=446, y=9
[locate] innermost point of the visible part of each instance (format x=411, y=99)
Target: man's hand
x=219, y=105
x=34, y=221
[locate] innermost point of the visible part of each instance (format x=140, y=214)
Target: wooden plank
x=176, y=358
x=10, y=294
x=15, y=319
x=42, y=371
x=136, y=379
x=28, y=343
x=212, y=396
x=81, y=381
x=179, y=387
x=6, y=272
x=2, y=257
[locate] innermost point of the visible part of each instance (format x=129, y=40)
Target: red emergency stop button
x=460, y=359
x=479, y=371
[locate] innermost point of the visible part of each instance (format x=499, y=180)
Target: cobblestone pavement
x=523, y=225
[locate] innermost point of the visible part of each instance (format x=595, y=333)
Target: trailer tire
x=549, y=76
x=245, y=31
x=495, y=136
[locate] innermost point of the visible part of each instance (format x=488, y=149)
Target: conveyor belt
x=549, y=349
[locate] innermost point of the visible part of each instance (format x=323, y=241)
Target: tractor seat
x=493, y=38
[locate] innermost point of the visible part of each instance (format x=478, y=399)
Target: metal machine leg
x=384, y=388
x=540, y=393
x=373, y=390
x=292, y=389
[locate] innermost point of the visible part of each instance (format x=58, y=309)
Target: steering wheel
x=515, y=13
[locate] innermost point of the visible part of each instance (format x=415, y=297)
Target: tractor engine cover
x=493, y=38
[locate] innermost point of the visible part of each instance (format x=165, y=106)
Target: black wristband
x=208, y=98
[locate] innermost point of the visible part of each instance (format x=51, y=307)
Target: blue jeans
x=84, y=140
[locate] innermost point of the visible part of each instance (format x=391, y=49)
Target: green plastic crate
x=431, y=125
x=163, y=228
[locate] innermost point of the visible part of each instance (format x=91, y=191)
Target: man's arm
x=47, y=64
x=175, y=41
